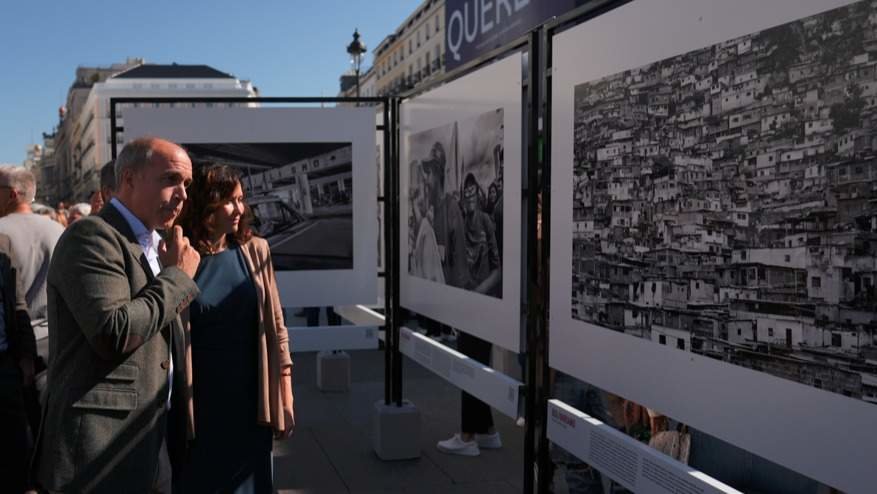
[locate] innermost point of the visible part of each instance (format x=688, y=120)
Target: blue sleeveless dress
x=231, y=452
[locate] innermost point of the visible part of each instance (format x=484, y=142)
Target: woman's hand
x=287, y=406
x=289, y=423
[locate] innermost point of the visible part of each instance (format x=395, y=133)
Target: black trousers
x=475, y=415
x=313, y=316
x=13, y=427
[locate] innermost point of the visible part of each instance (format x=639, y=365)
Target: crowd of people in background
x=65, y=215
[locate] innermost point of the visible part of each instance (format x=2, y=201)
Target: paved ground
x=331, y=451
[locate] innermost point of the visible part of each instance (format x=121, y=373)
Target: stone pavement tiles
x=331, y=451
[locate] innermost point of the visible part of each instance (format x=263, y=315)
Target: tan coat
x=275, y=362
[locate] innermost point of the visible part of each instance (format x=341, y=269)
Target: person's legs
x=475, y=415
x=333, y=318
x=312, y=314
x=13, y=427
x=476, y=419
x=432, y=327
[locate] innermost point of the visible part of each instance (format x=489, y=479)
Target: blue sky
x=287, y=48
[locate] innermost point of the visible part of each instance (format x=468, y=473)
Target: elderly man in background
x=119, y=387
x=78, y=211
x=33, y=240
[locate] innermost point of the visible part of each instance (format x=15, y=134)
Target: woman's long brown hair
x=212, y=186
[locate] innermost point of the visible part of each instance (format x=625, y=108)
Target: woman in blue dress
x=237, y=345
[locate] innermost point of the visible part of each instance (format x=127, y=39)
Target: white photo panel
x=713, y=225
x=460, y=180
x=309, y=178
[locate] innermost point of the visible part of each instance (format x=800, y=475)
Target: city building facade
x=414, y=53
x=41, y=162
x=84, y=141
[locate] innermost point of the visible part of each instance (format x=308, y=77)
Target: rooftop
x=172, y=71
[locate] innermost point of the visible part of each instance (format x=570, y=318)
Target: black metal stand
x=395, y=310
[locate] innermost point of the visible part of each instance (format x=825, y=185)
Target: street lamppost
x=356, y=49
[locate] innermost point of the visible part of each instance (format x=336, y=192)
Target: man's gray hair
x=21, y=180
x=83, y=208
x=134, y=157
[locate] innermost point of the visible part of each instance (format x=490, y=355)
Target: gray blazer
x=111, y=326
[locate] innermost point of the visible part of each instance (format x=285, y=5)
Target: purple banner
x=475, y=27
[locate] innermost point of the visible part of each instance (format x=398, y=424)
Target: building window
x=437, y=25
x=739, y=332
x=836, y=340
x=427, y=29
x=770, y=331
x=816, y=282
x=680, y=344
x=788, y=258
x=662, y=339
x=410, y=46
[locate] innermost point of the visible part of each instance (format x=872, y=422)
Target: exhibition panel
x=496, y=389
x=309, y=178
x=626, y=461
x=713, y=236
x=460, y=206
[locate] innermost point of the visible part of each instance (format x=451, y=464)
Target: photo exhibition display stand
x=617, y=115
x=824, y=435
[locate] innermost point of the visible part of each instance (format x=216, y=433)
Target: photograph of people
x=455, y=200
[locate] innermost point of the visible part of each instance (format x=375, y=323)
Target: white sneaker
x=457, y=446
x=488, y=441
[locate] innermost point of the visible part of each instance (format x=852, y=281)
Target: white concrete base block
x=333, y=372
x=396, y=431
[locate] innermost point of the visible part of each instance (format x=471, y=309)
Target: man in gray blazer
x=115, y=291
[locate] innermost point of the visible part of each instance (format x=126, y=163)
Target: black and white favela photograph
x=300, y=195
x=725, y=201
x=456, y=203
